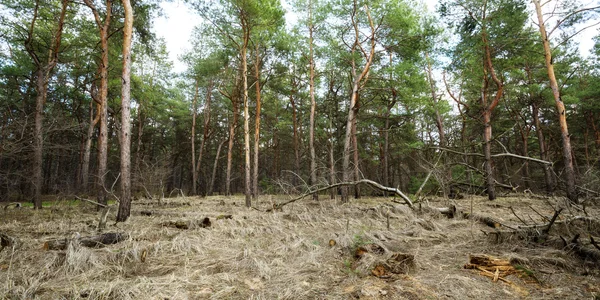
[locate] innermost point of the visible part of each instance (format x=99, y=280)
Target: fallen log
x=187, y=224
x=580, y=250
x=96, y=241
x=489, y=221
x=15, y=204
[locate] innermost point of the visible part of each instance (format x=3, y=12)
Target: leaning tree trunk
x=560, y=108
x=214, y=172
x=125, y=201
x=85, y=167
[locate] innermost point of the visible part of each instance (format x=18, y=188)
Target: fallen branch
x=371, y=183
x=97, y=241
x=418, y=193
x=91, y=201
x=497, y=155
x=554, y=217
x=588, y=190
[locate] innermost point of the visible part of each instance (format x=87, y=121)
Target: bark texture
x=125, y=203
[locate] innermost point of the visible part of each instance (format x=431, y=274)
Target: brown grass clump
x=307, y=251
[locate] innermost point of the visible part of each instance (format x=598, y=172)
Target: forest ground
x=288, y=254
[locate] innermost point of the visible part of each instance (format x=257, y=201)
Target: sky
x=178, y=21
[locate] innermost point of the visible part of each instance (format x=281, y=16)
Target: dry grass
x=282, y=255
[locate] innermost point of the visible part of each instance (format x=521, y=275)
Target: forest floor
x=309, y=250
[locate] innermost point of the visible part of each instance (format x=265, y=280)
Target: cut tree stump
x=8, y=241
x=96, y=241
x=489, y=266
x=398, y=263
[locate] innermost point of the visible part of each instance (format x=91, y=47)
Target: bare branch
x=371, y=183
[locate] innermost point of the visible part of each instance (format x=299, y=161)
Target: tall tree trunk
x=125, y=203
x=560, y=108
x=214, y=172
x=138, y=151
x=85, y=167
x=355, y=158
x=526, y=174
x=487, y=152
x=38, y=138
x=386, y=131
x=487, y=114
x=542, y=144
x=193, y=138
x=42, y=76
x=232, y=126
x=103, y=27
x=256, y=123
x=332, y=180
x=247, y=185
x=206, y=130
x=296, y=137
x=358, y=81
x=313, y=105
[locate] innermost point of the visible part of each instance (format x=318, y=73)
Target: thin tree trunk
x=214, y=172
x=355, y=159
x=247, y=185
x=295, y=128
x=313, y=105
x=332, y=180
x=103, y=27
x=125, y=201
x=256, y=123
x=230, y=149
x=88, y=147
x=42, y=76
x=560, y=108
x=138, y=150
x=38, y=140
x=206, y=130
x=193, y=138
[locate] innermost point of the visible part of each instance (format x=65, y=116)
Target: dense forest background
x=477, y=97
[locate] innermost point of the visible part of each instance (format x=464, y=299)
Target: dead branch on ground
x=371, y=183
